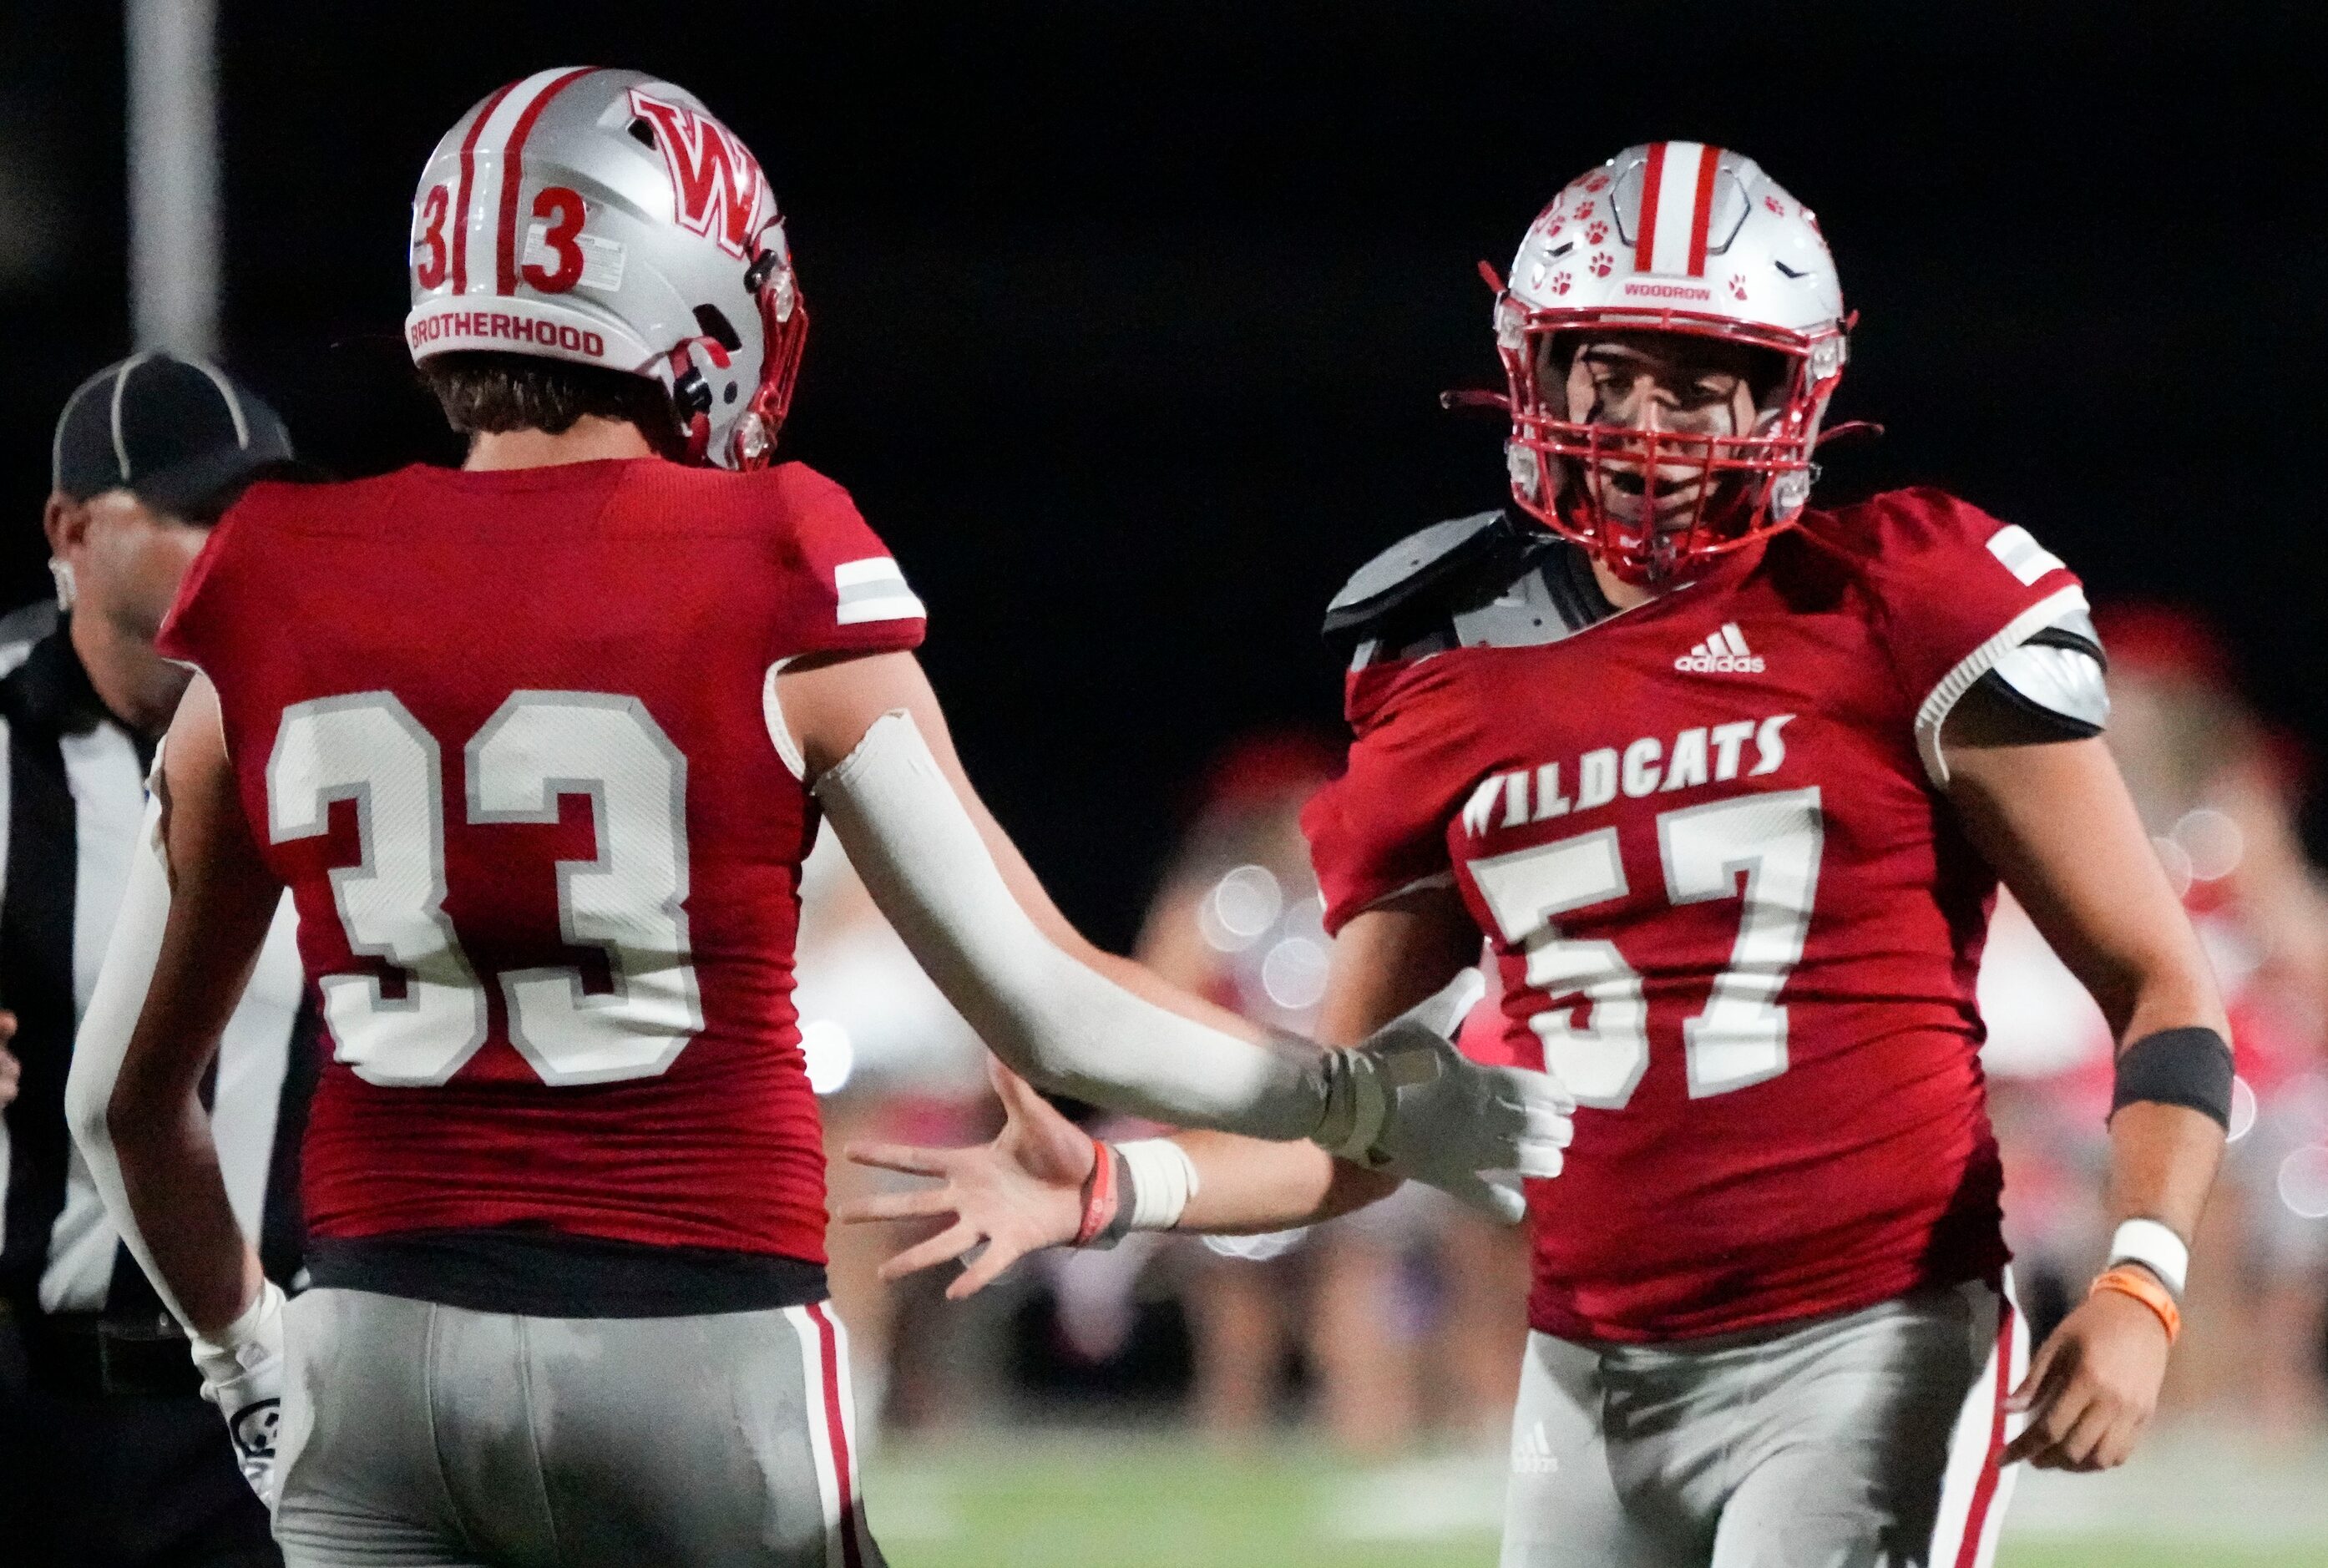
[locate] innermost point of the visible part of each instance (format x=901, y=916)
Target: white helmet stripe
x=1677, y=206
x=484, y=159
x=468, y=164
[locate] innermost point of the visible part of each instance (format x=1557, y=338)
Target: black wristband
x=2191, y=1067
x=1127, y=1200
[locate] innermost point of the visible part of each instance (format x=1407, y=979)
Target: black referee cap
x=176, y=433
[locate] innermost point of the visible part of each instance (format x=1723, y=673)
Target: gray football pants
x=1868, y=1440
x=431, y=1437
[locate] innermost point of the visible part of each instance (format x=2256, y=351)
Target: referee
x=109, y=1456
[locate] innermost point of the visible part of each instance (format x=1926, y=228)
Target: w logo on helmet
x=717, y=190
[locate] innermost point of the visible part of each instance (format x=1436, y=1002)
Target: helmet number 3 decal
x=429, y=245
x=563, y=207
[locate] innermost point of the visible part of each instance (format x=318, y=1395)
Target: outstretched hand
x=2091, y=1386
x=1019, y=1194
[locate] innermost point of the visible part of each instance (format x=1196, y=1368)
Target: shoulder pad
x=1410, y=573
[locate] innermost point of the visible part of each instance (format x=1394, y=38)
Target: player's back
x=504, y=736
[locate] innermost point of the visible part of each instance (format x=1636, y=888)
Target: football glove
x=1408, y=1103
x=242, y=1373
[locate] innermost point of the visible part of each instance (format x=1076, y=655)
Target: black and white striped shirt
x=72, y=796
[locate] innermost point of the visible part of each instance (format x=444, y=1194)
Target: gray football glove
x=1407, y=1102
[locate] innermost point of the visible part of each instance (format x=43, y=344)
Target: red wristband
x=1100, y=1196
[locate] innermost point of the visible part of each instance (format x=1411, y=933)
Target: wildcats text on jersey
x=1702, y=755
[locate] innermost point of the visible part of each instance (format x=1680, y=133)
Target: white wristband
x=253, y=1337
x=1163, y=1181
x=2155, y=1247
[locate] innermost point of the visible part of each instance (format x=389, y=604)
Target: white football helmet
x=1673, y=237
x=605, y=217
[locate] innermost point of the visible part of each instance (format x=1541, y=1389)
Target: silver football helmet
x=1671, y=236
x=605, y=217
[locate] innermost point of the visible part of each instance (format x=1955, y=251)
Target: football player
x=539, y=745
x=1726, y=783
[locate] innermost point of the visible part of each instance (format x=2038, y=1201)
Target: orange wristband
x=1100, y=1196
x=2144, y=1288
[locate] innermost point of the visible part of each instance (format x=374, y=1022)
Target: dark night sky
x=1130, y=317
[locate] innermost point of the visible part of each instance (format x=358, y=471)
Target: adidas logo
x=1532, y=1453
x=1723, y=653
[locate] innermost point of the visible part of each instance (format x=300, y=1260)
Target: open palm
x=1018, y=1194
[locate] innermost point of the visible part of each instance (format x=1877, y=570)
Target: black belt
x=86, y=1353
x=536, y=1272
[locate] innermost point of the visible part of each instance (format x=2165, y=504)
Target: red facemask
x=1565, y=473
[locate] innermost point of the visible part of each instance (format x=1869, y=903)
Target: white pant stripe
x=820, y=1436
x=1974, y=1490
x=846, y=1379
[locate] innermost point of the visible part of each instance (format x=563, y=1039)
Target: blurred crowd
x=1401, y=1326
x=2221, y=793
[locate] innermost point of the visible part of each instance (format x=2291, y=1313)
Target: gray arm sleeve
x=1058, y=1023
x=103, y=1042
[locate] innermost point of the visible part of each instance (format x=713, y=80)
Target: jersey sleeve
x=1958, y=591
x=1381, y=829
x=853, y=597
x=200, y=628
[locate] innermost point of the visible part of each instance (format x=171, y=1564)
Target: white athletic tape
x=1163, y=1181
x=2155, y=1247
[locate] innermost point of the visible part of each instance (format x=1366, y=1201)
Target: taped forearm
x=131, y=957
x=1056, y=1021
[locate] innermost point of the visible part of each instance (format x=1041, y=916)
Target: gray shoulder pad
x=1410, y=569
x=2054, y=675
x=2059, y=671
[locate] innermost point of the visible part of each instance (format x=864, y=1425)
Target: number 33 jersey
x=505, y=737
x=1729, y=908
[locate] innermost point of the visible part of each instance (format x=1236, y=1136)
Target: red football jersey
x=1728, y=908
x=504, y=736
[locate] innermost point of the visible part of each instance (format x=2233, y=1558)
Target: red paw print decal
x=1553, y=232
x=1561, y=283
x=1596, y=182
x=1597, y=233
x=1601, y=263
x=1738, y=285
x=1775, y=205
x=1583, y=212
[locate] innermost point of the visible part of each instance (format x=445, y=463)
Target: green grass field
x=1112, y=1500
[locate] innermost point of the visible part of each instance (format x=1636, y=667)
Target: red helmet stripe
x=513, y=177
x=1702, y=215
x=1653, y=179
x=461, y=195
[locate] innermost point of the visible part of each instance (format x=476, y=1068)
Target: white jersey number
x=1741, y=1036
x=630, y=901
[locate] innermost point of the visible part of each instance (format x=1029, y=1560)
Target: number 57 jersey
x=504, y=736
x=1705, y=839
